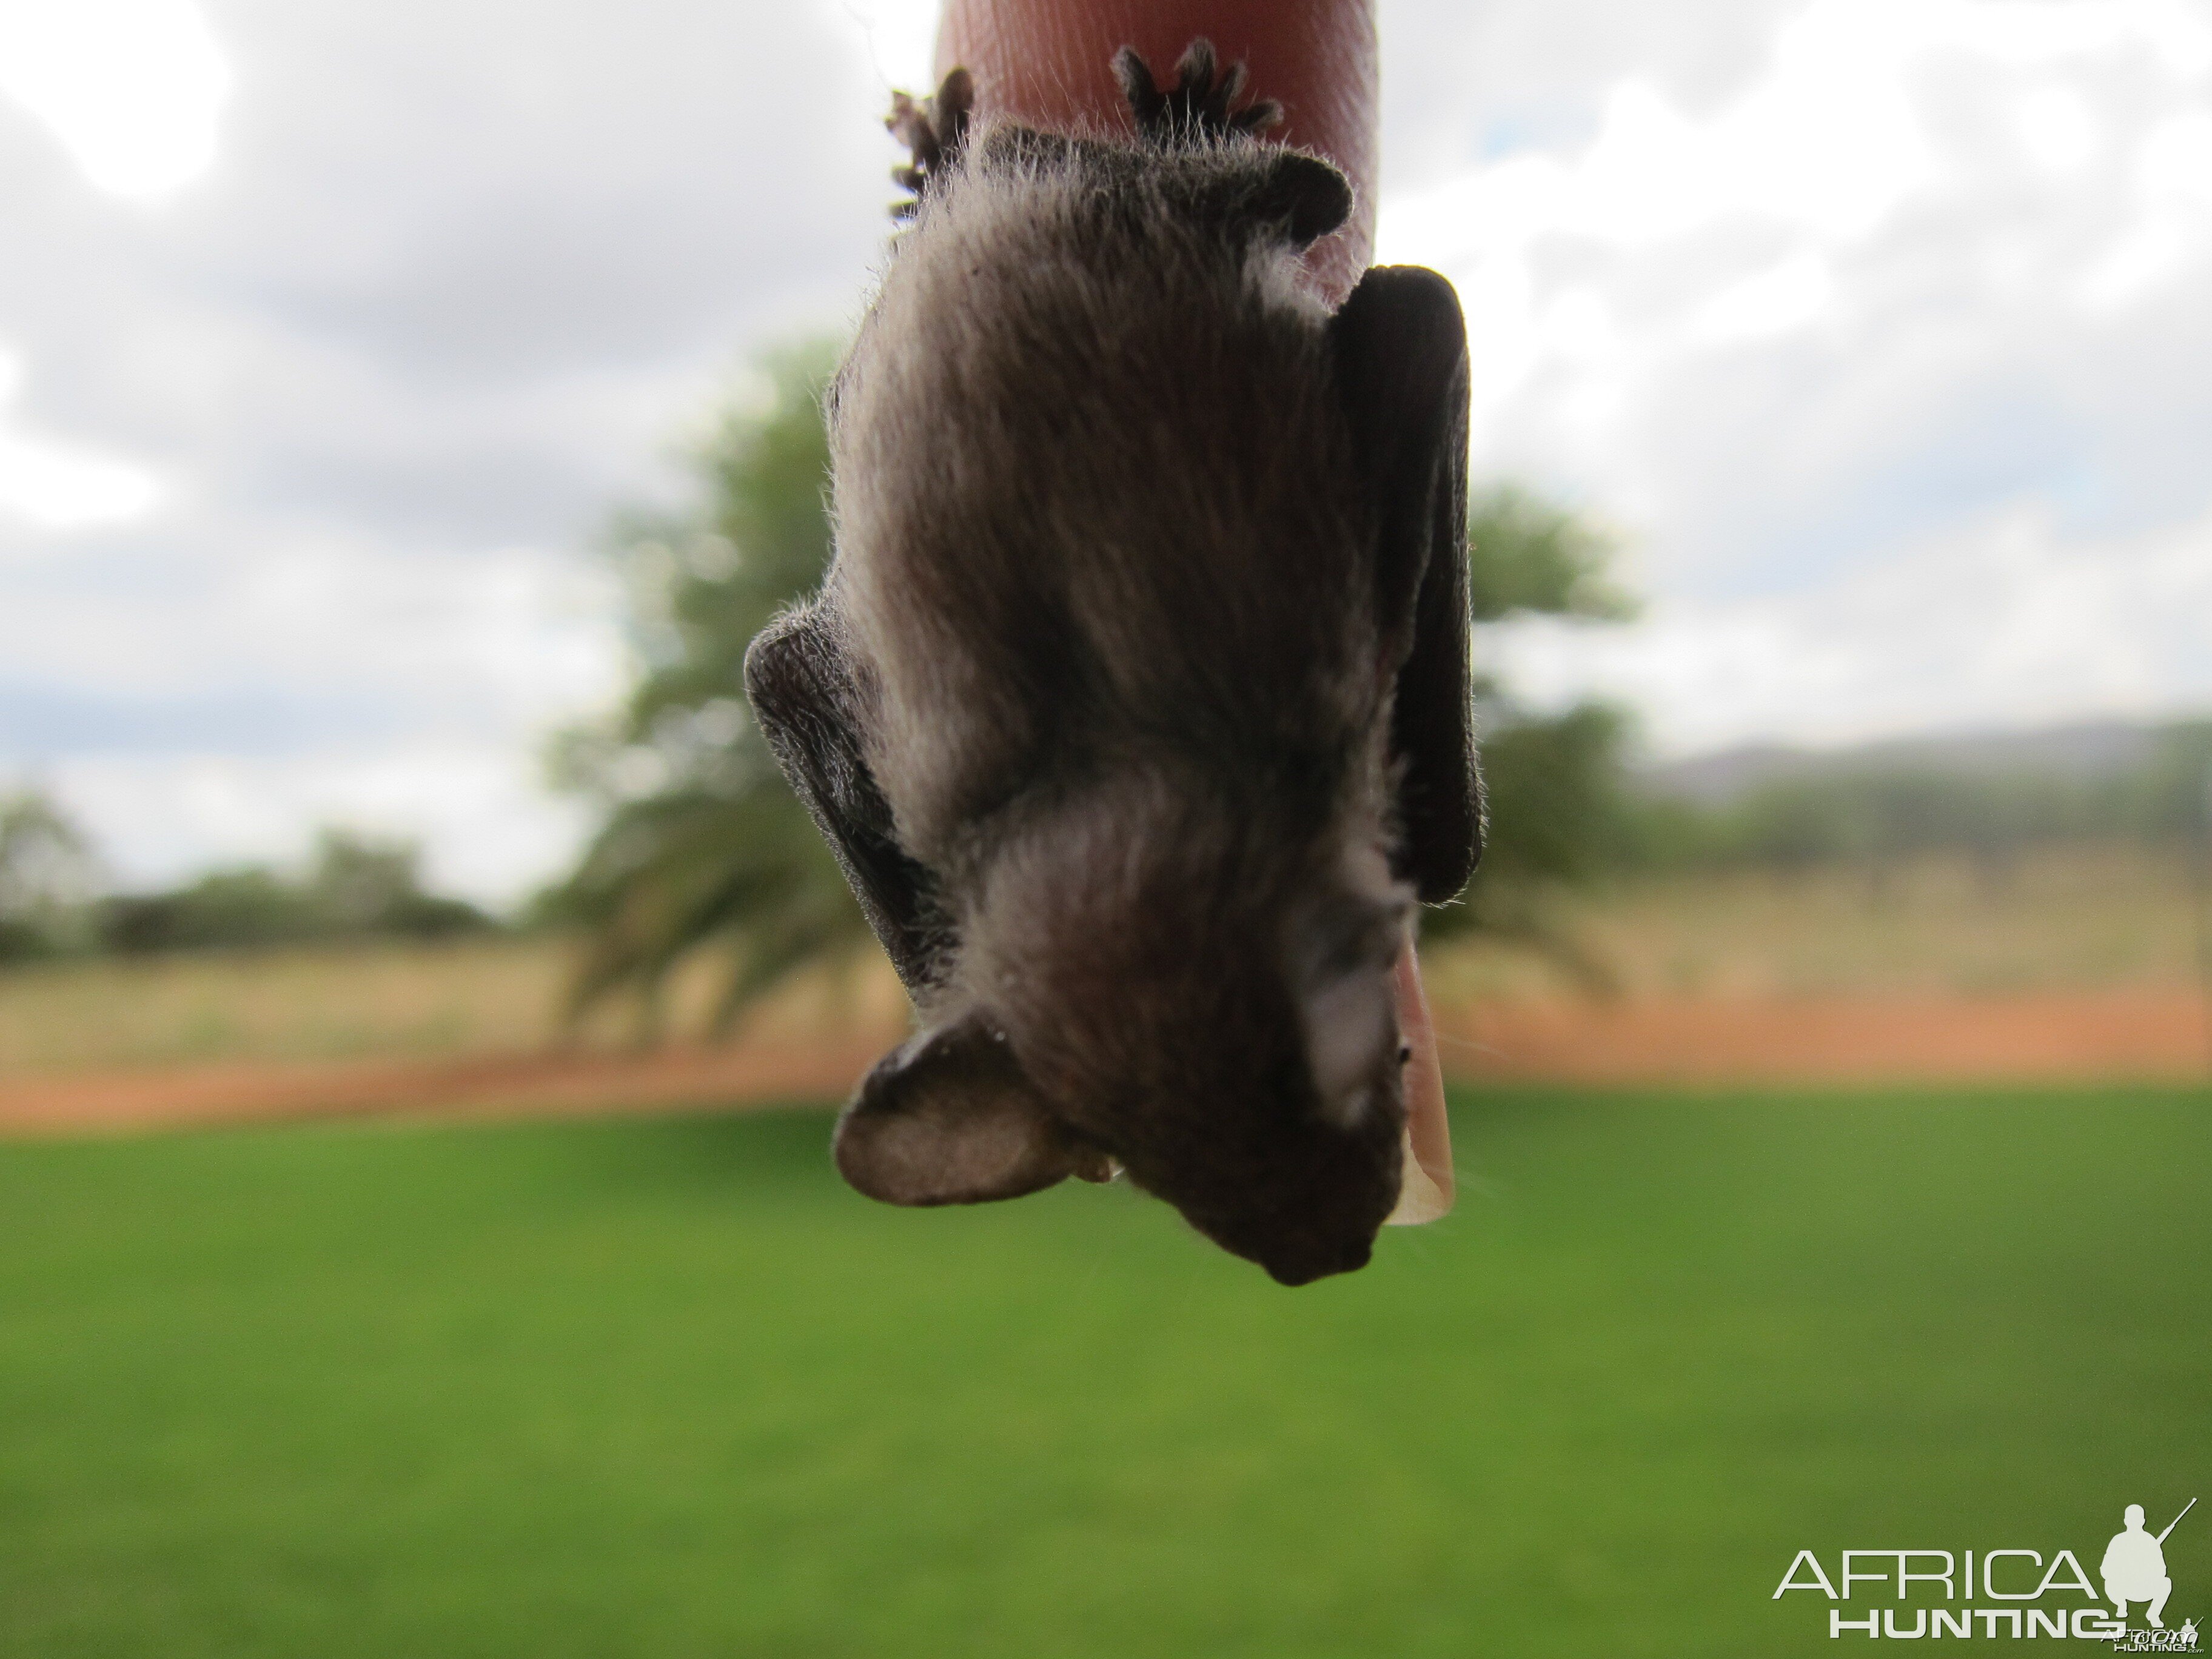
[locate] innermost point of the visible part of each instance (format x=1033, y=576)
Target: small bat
x=1136, y=701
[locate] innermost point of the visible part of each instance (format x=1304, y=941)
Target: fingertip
x=1047, y=64
x=1429, y=1185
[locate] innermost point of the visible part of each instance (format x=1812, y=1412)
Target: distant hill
x=2082, y=753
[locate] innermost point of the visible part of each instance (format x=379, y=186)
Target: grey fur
x=1135, y=701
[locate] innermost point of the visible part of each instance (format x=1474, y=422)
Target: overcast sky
x=330, y=333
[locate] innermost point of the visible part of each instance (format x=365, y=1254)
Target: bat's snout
x=1329, y=1227
x=1305, y=1263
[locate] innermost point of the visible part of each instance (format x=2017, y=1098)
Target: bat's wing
x=813, y=712
x=1401, y=360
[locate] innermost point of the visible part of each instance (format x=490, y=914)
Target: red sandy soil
x=543, y=1085
x=2054, y=1038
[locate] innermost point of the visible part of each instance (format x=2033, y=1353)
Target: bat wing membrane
x=1400, y=350
x=812, y=710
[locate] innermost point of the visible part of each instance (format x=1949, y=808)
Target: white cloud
x=1816, y=155
x=59, y=486
x=2171, y=235
x=1787, y=295
x=132, y=88
x=501, y=644
x=898, y=37
x=461, y=273
x=1875, y=322
x=1913, y=280
x=2004, y=621
x=2057, y=128
x=481, y=809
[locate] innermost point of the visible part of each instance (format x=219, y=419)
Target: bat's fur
x=1101, y=702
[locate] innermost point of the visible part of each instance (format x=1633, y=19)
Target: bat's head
x=1186, y=990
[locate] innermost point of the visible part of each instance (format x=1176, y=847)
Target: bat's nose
x=1308, y=1261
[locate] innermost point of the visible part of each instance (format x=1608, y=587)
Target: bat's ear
x=951, y=1118
x=1401, y=369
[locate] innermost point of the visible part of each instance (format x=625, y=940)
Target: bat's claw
x=1200, y=107
x=934, y=130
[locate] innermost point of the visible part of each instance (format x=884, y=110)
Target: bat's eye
x=1344, y=947
x=1351, y=1034
x=1351, y=1111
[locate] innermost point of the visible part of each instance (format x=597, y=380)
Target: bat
x=1136, y=702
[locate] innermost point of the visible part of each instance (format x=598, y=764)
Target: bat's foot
x=1200, y=107
x=934, y=130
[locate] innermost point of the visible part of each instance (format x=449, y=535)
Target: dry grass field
x=371, y=1002
x=2074, y=965
x=303, y=1004
x=2088, y=919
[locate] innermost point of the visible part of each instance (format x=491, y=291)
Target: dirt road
x=2046, y=1037
x=2073, y=1038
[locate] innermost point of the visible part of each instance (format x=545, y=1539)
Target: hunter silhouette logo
x=2134, y=1566
x=2028, y=1591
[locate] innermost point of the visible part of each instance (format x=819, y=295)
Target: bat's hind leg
x=1201, y=107
x=1286, y=193
x=934, y=130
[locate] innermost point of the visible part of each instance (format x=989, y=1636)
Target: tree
x=1529, y=556
x=1561, y=811
x=361, y=885
x=356, y=886
x=47, y=877
x=704, y=850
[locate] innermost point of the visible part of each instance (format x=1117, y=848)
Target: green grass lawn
x=665, y=1388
